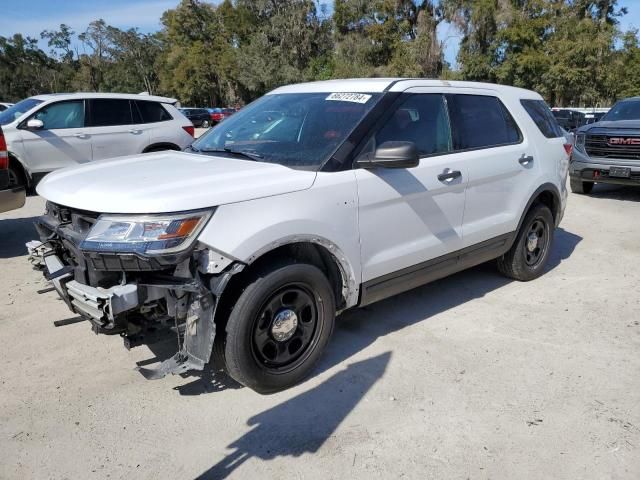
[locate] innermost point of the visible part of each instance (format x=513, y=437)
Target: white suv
x=312, y=200
x=47, y=132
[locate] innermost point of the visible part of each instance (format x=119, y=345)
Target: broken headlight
x=148, y=234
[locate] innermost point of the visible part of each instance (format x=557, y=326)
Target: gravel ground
x=474, y=376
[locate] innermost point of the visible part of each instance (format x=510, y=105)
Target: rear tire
x=527, y=257
x=578, y=186
x=205, y=124
x=279, y=326
x=17, y=177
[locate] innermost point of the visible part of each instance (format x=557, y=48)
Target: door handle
x=525, y=160
x=82, y=135
x=134, y=131
x=449, y=175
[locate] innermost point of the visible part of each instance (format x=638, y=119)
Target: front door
x=62, y=141
x=408, y=216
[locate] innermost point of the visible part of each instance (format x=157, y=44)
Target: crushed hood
x=168, y=182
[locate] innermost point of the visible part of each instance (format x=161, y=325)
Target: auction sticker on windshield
x=349, y=97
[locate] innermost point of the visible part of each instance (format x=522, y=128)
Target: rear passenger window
x=480, y=121
x=543, y=118
x=152, y=112
x=421, y=119
x=107, y=112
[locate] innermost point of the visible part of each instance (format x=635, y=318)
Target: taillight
x=190, y=130
x=4, y=156
x=568, y=148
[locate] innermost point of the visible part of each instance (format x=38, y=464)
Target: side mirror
x=393, y=155
x=35, y=124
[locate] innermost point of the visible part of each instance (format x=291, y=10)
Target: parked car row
x=573, y=118
x=205, y=117
x=246, y=243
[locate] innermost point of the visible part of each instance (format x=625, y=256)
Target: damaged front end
x=140, y=277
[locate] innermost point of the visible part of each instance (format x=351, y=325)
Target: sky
x=30, y=17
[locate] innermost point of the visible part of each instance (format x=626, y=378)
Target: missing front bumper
x=190, y=307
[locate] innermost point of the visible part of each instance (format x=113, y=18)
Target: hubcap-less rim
x=537, y=240
x=286, y=328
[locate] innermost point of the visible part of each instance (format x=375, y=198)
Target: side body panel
x=408, y=216
x=325, y=214
x=118, y=140
x=171, y=131
x=47, y=150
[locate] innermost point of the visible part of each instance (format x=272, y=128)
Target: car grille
x=81, y=221
x=598, y=146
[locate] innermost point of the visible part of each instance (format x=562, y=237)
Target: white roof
x=375, y=85
x=126, y=96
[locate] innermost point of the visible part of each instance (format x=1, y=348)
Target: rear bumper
x=12, y=199
x=594, y=171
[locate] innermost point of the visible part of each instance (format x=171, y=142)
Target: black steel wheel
x=284, y=329
x=279, y=326
x=537, y=242
x=527, y=257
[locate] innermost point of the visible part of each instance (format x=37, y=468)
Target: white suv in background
x=313, y=199
x=47, y=132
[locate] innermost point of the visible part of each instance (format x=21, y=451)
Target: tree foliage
x=571, y=51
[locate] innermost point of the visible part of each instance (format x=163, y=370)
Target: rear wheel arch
x=159, y=147
x=19, y=168
x=548, y=195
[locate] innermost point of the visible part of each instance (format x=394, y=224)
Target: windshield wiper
x=241, y=153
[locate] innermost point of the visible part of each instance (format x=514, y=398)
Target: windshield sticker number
x=349, y=97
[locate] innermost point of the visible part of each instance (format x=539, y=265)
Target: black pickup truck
x=608, y=151
x=11, y=197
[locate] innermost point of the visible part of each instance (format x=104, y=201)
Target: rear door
x=500, y=161
x=62, y=141
x=116, y=128
x=411, y=215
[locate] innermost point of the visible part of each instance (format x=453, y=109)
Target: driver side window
x=62, y=115
x=421, y=119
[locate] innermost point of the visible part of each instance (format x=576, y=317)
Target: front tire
x=279, y=327
x=529, y=253
x=578, y=186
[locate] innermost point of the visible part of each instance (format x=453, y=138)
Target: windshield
x=625, y=110
x=19, y=109
x=297, y=130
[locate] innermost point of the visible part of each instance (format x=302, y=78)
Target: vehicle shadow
x=356, y=329
x=15, y=232
x=303, y=423
x=616, y=192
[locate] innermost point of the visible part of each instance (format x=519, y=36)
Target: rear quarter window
x=152, y=112
x=541, y=115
